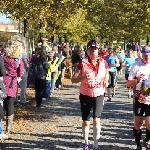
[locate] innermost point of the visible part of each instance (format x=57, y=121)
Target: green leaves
x=84, y=19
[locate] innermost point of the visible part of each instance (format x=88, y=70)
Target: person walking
x=14, y=71
x=23, y=82
x=57, y=70
x=113, y=62
x=139, y=77
x=93, y=74
x=128, y=62
x=2, y=96
x=50, y=56
x=40, y=68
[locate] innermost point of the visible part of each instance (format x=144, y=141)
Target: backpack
x=38, y=68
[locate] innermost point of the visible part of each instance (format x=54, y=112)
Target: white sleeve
x=133, y=72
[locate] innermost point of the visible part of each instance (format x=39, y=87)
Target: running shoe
x=95, y=148
x=129, y=96
x=86, y=147
x=113, y=95
x=139, y=148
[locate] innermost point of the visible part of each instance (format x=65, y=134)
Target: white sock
x=130, y=93
x=96, y=134
x=85, y=132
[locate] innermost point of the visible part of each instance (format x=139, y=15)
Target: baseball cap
x=146, y=49
x=110, y=48
x=93, y=43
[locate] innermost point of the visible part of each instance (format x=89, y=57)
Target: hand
x=59, y=72
x=19, y=79
x=105, y=83
x=89, y=76
x=141, y=77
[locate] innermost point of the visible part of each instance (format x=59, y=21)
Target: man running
x=139, y=76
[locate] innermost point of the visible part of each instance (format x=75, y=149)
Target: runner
x=128, y=62
x=93, y=74
x=112, y=61
x=139, y=76
x=121, y=57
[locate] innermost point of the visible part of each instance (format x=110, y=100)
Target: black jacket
x=40, y=67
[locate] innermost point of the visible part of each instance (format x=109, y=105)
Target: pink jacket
x=93, y=87
x=13, y=70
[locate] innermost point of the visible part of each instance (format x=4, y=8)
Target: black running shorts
x=112, y=79
x=126, y=76
x=141, y=108
x=88, y=103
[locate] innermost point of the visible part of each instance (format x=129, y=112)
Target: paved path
x=58, y=126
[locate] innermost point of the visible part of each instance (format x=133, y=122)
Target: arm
x=131, y=79
x=2, y=67
x=76, y=77
x=26, y=64
x=124, y=63
x=106, y=79
x=131, y=83
x=117, y=62
x=20, y=69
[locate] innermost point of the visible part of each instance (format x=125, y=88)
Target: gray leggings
x=54, y=75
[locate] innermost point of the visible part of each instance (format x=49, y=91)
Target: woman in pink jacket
x=14, y=71
x=93, y=74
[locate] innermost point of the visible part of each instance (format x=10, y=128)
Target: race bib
x=93, y=84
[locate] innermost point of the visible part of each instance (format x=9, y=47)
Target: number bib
x=93, y=84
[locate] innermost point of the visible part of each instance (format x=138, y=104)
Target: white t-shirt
x=137, y=69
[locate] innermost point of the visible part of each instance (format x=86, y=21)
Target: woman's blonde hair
x=15, y=50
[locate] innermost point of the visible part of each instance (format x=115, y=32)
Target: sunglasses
x=145, y=50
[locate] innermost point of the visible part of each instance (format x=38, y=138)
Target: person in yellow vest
x=49, y=74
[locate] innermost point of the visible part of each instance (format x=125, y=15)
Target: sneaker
x=113, y=95
x=86, y=147
x=109, y=99
x=95, y=148
x=129, y=96
x=139, y=148
x=3, y=136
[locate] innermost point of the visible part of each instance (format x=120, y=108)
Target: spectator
x=40, y=68
x=23, y=82
x=2, y=95
x=14, y=71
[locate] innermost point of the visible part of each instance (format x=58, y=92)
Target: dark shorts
x=126, y=76
x=141, y=108
x=88, y=103
x=112, y=79
x=119, y=68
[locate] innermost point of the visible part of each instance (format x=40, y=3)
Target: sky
x=4, y=19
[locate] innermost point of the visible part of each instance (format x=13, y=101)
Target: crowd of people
x=95, y=68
